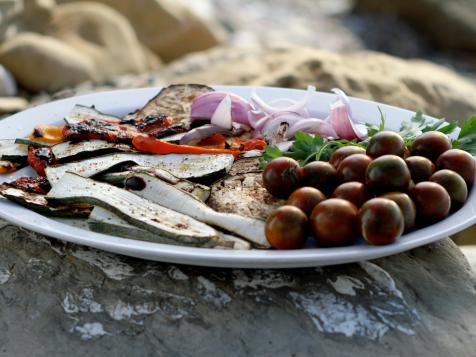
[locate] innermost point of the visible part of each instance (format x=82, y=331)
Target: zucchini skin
x=38, y=203
x=141, y=213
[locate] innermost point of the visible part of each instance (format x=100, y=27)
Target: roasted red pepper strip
x=156, y=146
x=253, y=144
x=39, y=158
x=215, y=141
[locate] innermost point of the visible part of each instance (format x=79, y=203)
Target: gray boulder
x=65, y=299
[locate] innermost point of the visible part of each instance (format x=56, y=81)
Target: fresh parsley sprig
x=306, y=148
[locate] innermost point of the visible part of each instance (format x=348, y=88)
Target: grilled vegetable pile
x=377, y=193
x=187, y=169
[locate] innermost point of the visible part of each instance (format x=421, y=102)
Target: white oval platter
x=124, y=101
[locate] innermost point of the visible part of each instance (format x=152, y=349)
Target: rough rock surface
x=66, y=299
x=70, y=44
x=412, y=84
x=450, y=24
x=169, y=28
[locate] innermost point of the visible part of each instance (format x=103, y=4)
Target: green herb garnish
x=307, y=148
x=467, y=137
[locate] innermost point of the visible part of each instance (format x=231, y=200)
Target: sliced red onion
x=285, y=145
x=342, y=123
x=313, y=126
x=206, y=104
x=299, y=107
x=196, y=135
x=275, y=129
x=342, y=96
x=222, y=115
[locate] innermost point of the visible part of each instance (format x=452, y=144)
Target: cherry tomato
x=281, y=176
x=453, y=184
x=406, y=205
x=353, y=168
x=432, y=201
x=352, y=191
x=381, y=221
x=388, y=173
x=306, y=198
x=431, y=145
x=320, y=175
x=341, y=153
x=386, y=143
x=334, y=222
x=286, y=228
x=459, y=161
x=420, y=168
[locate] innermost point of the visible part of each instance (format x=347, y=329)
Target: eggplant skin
x=174, y=101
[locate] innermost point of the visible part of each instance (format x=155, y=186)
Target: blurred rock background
x=417, y=54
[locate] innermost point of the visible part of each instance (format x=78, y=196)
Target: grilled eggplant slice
x=79, y=150
x=243, y=195
x=197, y=190
x=179, y=165
x=156, y=190
x=142, y=213
x=175, y=101
x=81, y=113
x=38, y=203
x=103, y=221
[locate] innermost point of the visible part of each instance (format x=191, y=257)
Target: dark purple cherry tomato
x=420, y=168
x=431, y=145
x=281, y=176
x=320, y=175
x=351, y=191
x=460, y=162
x=432, y=201
x=334, y=222
x=380, y=221
x=386, y=143
x=306, y=198
x=388, y=173
x=353, y=168
x=343, y=152
x=286, y=228
x=406, y=205
x=453, y=184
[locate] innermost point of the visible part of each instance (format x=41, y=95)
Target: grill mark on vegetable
x=135, y=210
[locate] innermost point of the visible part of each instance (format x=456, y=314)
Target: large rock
x=70, y=300
x=412, y=84
x=12, y=104
x=43, y=63
x=103, y=35
x=449, y=24
x=74, y=42
x=170, y=28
